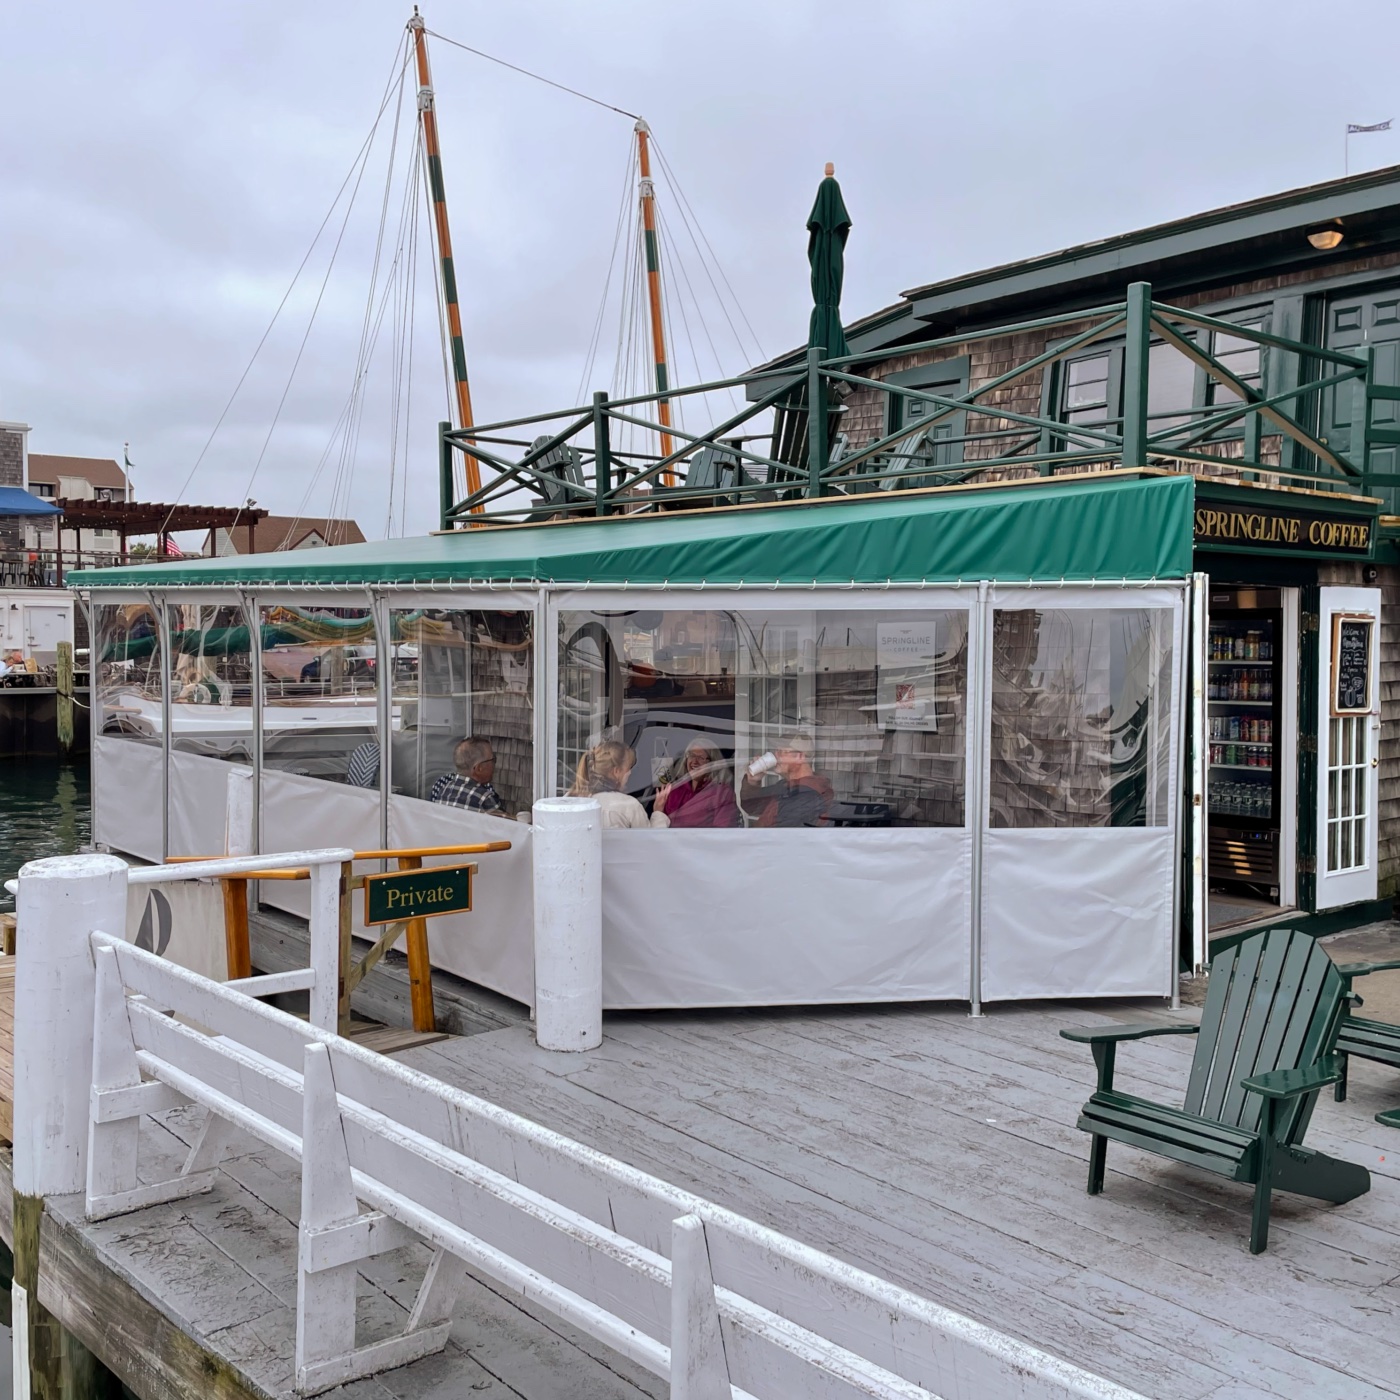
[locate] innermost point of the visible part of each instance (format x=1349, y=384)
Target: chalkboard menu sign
x=1352, y=636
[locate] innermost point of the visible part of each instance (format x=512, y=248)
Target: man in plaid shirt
x=470, y=786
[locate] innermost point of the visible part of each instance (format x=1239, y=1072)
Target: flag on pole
x=1354, y=130
x=172, y=549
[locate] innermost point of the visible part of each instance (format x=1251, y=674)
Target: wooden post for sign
x=65, y=698
x=238, y=841
x=420, y=967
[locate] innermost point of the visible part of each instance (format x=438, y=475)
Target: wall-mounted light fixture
x=1326, y=236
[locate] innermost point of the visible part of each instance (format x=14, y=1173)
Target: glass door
x=1348, y=745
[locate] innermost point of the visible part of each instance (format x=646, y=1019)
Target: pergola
x=130, y=518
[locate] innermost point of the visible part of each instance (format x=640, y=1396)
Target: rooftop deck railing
x=587, y=461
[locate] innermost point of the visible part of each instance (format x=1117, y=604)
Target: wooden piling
x=65, y=699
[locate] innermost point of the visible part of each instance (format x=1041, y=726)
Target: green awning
x=1110, y=526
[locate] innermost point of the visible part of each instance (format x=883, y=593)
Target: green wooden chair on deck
x=1272, y=1013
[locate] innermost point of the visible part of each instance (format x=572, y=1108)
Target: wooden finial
x=830, y=170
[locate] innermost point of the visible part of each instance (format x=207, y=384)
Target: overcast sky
x=164, y=169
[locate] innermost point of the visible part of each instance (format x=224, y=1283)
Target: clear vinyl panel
x=127, y=652
x=1081, y=718
x=1348, y=783
x=209, y=671
x=1078, y=852
x=718, y=718
x=462, y=713
x=320, y=709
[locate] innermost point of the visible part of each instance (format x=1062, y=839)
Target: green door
x=1354, y=322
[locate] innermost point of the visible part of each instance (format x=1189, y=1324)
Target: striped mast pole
x=427, y=118
x=653, y=262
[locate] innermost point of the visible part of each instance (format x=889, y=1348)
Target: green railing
x=573, y=462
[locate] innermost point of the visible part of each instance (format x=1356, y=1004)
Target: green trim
x=1305, y=824
x=653, y=261
x=435, y=180
x=1098, y=526
x=449, y=281
x=459, y=359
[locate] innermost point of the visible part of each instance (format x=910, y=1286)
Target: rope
x=525, y=72
x=400, y=63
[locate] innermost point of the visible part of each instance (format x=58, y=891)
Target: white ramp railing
x=717, y=1304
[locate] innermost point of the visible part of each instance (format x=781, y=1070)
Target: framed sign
x=907, y=659
x=1353, y=637
x=418, y=894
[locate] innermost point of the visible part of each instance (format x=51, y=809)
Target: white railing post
x=62, y=900
x=325, y=947
x=568, y=853
x=698, y=1368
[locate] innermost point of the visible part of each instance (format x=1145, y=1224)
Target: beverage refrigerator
x=1243, y=729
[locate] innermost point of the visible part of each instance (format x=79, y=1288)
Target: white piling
x=568, y=847
x=238, y=820
x=62, y=900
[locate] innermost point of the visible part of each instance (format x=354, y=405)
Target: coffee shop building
x=1078, y=575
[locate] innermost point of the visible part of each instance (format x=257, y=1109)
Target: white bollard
x=568, y=846
x=62, y=900
x=238, y=819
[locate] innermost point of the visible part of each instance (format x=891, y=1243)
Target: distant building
x=75, y=479
x=14, y=471
x=278, y=532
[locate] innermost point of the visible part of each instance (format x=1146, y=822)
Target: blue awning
x=14, y=501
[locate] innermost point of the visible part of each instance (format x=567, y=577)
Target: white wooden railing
x=717, y=1304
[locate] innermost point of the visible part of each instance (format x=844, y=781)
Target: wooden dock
x=934, y=1150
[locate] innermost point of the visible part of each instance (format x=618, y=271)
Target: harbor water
x=45, y=810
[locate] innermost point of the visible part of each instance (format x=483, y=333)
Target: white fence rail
x=719, y=1305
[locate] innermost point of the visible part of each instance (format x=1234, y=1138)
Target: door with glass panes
x=1348, y=745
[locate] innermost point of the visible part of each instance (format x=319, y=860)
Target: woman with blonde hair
x=602, y=773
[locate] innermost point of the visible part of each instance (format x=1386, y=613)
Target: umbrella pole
x=658, y=331
x=427, y=117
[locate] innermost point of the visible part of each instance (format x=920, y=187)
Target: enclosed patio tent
x=989, y=682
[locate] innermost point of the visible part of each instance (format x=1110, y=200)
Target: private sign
x=418, y=894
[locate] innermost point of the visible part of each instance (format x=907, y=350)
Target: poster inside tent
x=907, y=657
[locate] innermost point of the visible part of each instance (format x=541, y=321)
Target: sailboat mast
x=427, y=117
x=653, y=263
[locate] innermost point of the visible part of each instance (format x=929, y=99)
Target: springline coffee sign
x=1281, y=528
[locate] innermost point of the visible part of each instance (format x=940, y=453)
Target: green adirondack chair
x=1264, y=1052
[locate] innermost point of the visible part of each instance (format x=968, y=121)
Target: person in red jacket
x=783, y=789
x=705, y=796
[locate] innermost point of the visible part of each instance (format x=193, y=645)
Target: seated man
x=470, y=786
x=800, y=796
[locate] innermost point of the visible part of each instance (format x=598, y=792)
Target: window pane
x=1171, y=385
x=1080, y=729
x=320, y=711
x=858, y=717
x=1093, y=370
x=211, y=681
x=462, y=675
x=127, y=649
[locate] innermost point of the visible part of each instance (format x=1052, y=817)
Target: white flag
x=1354, y=130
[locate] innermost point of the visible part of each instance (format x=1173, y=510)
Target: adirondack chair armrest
x=1291, y=1083
x=1364, y=969
x=1090, y=1035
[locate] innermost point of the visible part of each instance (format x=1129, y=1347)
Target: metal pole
x=167, y=719
x=979, y=676
x=816, y=421
x=1200, y=809
x=446, y=488
x=1135, y=374
x=383, y=703
x=652, y=252
x=427, y=117
x=602, y=453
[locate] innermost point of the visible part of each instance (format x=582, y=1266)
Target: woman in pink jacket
x=705, y=796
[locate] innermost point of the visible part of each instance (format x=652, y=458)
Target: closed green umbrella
x=827, y=229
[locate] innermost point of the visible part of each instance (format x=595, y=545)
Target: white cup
x=765, y=763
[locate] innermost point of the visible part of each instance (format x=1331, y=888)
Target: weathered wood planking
x=866, y=1133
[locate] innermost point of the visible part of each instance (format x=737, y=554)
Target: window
x=1171, y=387
x=211, y=681
x=42, y=489
x=1080, y=727
x=1090, y=393
x=1243, y=358
x=874, y=701
x=127, y=652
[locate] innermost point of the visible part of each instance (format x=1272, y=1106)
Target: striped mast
x=653, y=263
x=427, y=117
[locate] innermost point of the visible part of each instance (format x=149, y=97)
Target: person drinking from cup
x=782, y=789
x=705, y=795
